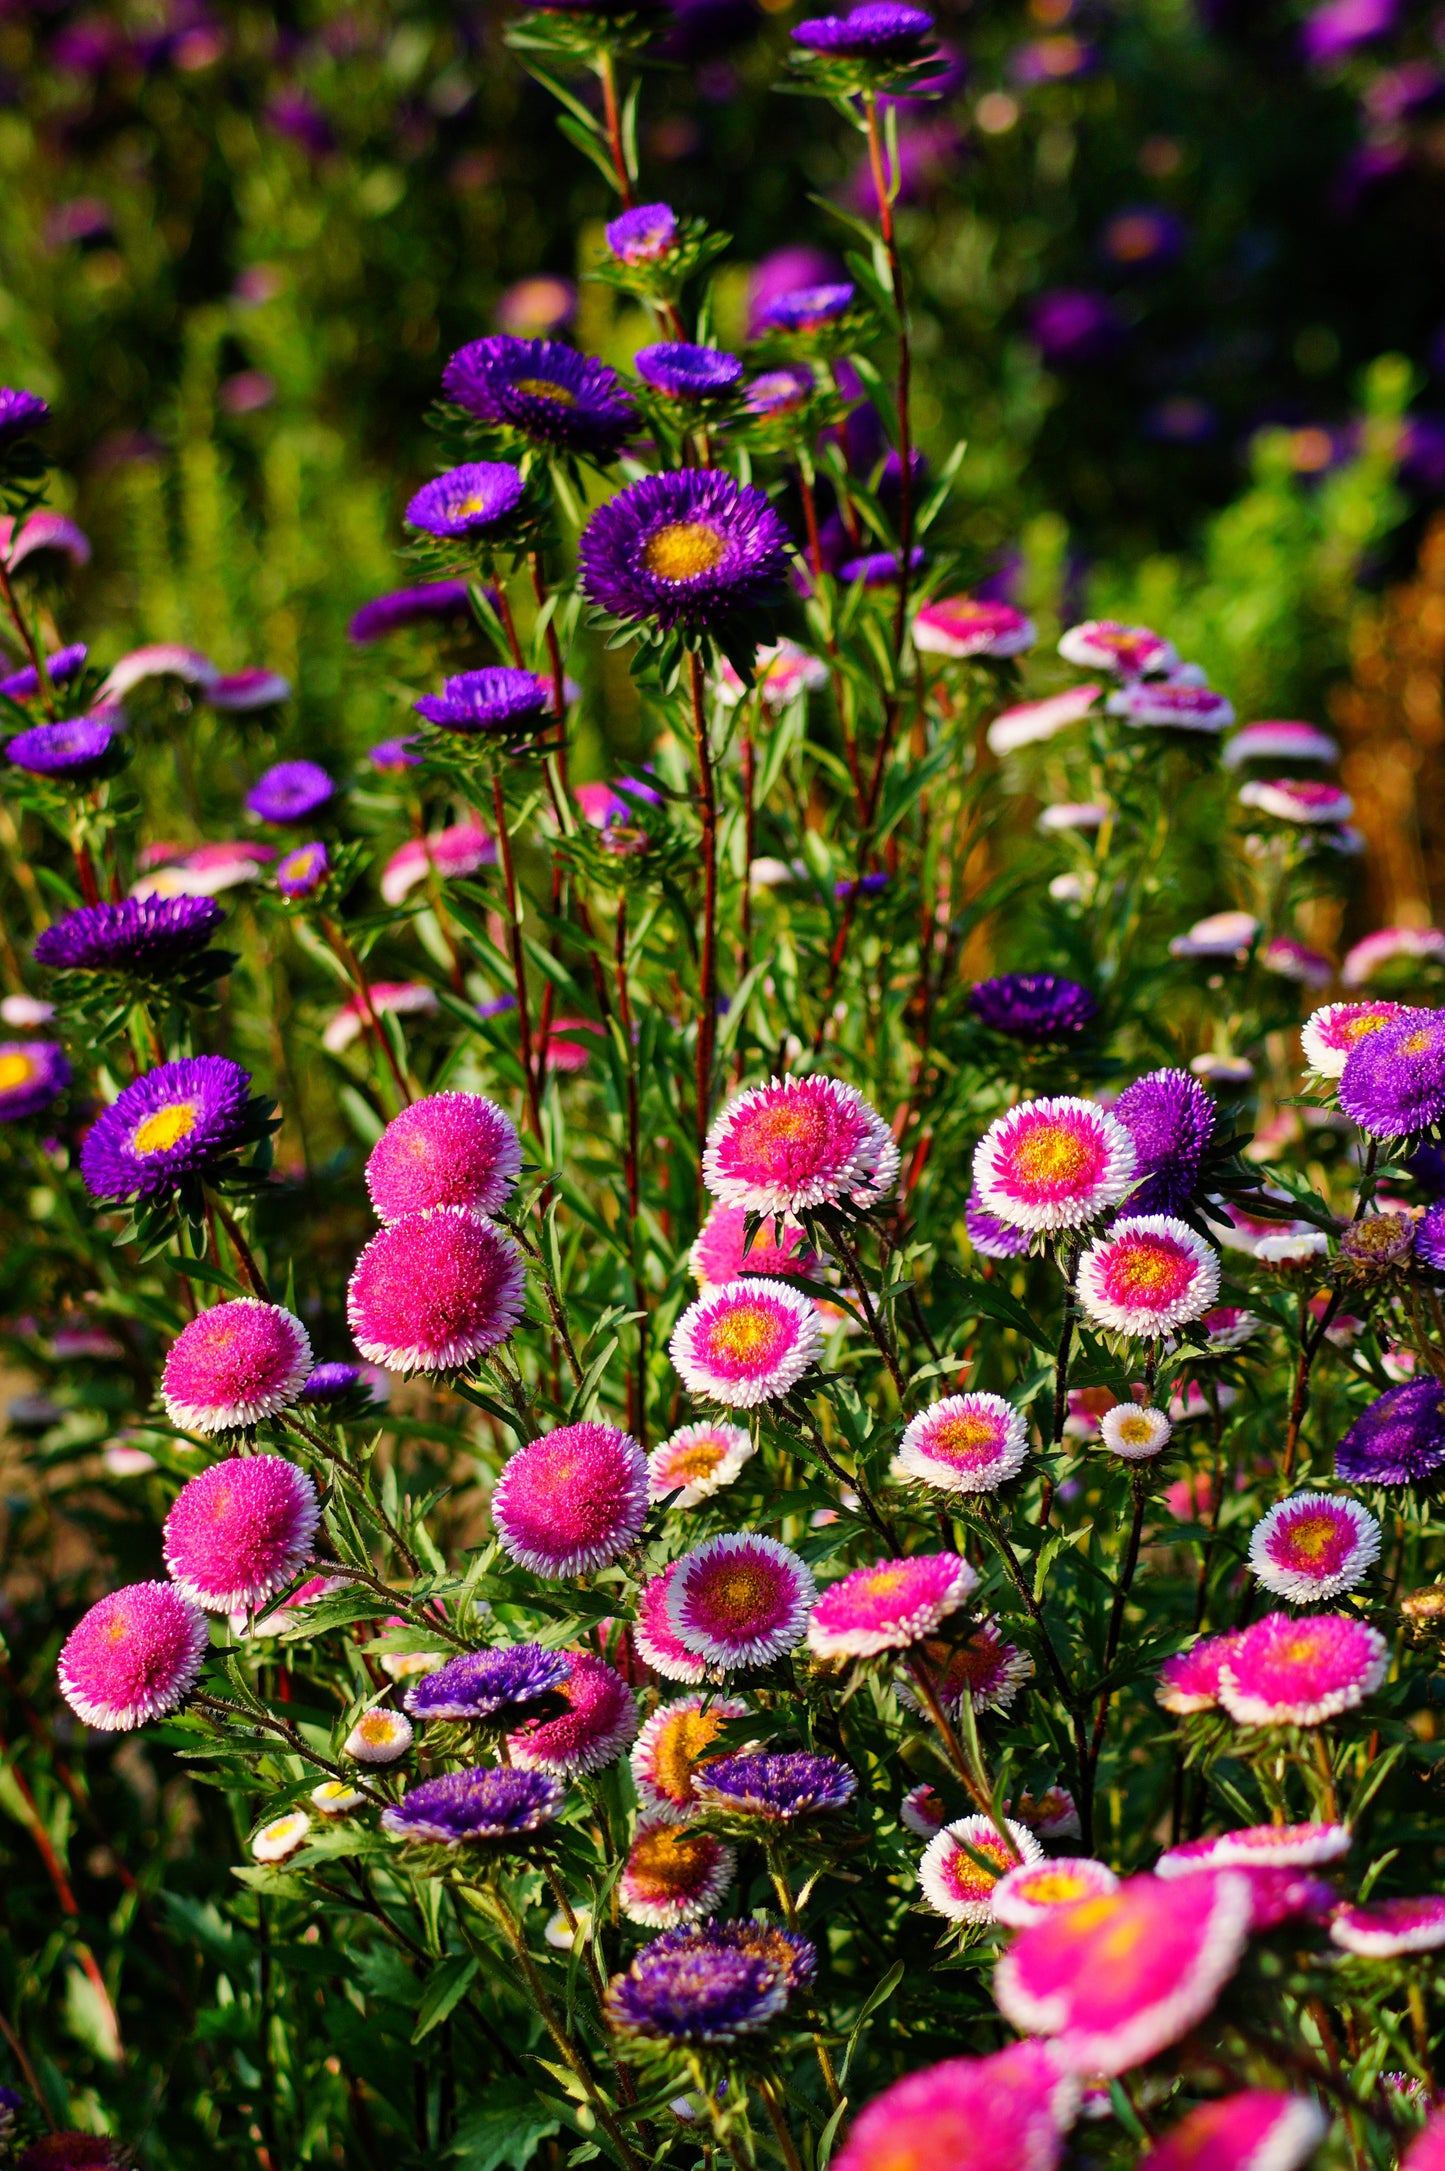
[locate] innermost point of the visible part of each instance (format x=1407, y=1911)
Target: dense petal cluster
x=676, y=1742
x=1053, y=1164
x=145, y=936
x=463, y=1807
x=1033, y=1006
x=672, y=1875
x=965, y=1443
x=1008, y=2112
x=235, y=1364
x=133, y=1657
x=600, y=1722
x=1284, y=1671
x=1171, y=1118
x=573, y=1500
x=797, y=1143
x=1393, y=1081
x=543, y=390
x=740, y=1600
x=1313, y=1546
x=686, y=548
x=174, y=1121
x=889, y=1606
x=449, y=1149
x=240, y=1531
x=434, y=1291
x=499, y=697
x=497, y=1686
x=962, y=1865
x=746, y=1342
x=1149, y=1274
x=779, y=1789
x=1398, y=1440
x=695, y=1462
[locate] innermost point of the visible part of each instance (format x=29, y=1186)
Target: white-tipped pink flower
x=965, y=1443
x=796, y=1143
x=1102, y=644
x=962, y=626
x=1313, y=1546
x=1033, y=721
x=1297, y=799
x=657, y=1641
x=238, y=1532
x=746, y=1342
x=955, y=1882
x=1149, y=1274
x=1285, y=1671
x=573, y=1500
x=1391, y=1928
x=740, y=1600
x=1223, y=934
x=133, y=1657
x=1053, y=1164
x=1415, y=945
x=695, y=1462
x=235, y=1364
x=889, y=1606
x=1330, y=1036
x=1278, y=742
x=1172, y=707
x=451, y=1149
x=434, y=1291
x=1034, y=1889
x=675, y=1743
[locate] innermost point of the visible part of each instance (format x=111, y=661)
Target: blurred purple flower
x=1334, y=31
x=290, y=113
x=781, y=273
x=1074, y=328
x=246, y=390
x=1142, y=238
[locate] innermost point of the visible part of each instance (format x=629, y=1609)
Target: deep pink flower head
x=1256, y=2131
x=740, y=1599
x=1009, y=2112
x=1053, y=1164
x=796, y=1143
x=572, y=1500
x=1286, y=1671
x=599, y=1723
x=1427, y=2151
x=235, y=1364
x=451, y=1149
x=1190, y=1680
x=239, y=1531
x=1117, y=1978
x=1388, y=1928
x=1277, y=1845
x=722, y=1252
x=435, y=1291
x=133, y=1657
x=889, y=1606
x=657, y=1641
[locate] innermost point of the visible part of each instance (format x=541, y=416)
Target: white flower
x=334, y=1797
x=282, y=1836
x=379, y=1737
x=1133, y=1433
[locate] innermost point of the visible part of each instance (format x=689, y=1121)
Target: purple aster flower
x=642, y=235
x=992, y=1238
x=20, y=413
x=1334, y=31
x=1170, y=1118
x=393, y=757
x=475, y=1805
x=1033, y=1005
x=779, y=391
x=497, y=698
x=686, y=372
x=777, y=1789
x=700, y=1986
x=290, y=792
x=502, y=1685
x=302, y=872
x=469, y=500
x=806, y=308
x=1430, y=1237
x=73, y=751
x=33, y=1073
x=1073, y=328
x=870, y=885
x=330, y=1381
x=147, y=937
x=1399, y=1440
x=63, y=665
x=401, y=607
x=877, y=568
x=237, y=693
x=1394, y=1078
x=881, y=30
x=175, y=1119
x=543, y=389
x=683, y=549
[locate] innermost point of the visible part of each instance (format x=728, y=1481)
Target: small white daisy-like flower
x=1053, y=1164
x=334, y=1797
x=1314, y=1545
x=1133, y=1433
x=956, y=1884
x=695, y=1462
x=561, y=1934
x=1297, y=1247
x=282, y=1836
x=379, y=1737
x=1148, y=1274
x=965, y=1443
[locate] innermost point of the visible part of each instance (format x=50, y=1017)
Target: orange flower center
x=683, y=550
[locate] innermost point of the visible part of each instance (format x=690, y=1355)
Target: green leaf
x=446, y=1986
x=991, y=1300
x=506, y=2129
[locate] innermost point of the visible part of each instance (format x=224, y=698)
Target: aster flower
x=1297, y=799
x=779, y=391
x=686, y=548
x=1284, y=1895
x=696, y=1462
x=746, y=1342
x=1222, y=934
x=1257, y=2130
x=281, y=1837
x=921, y=1812
x=472, y=500
x=1330, y=1036
x=449, y=1149
x=598, y=1725
x=20, y=413
x=675, y=1743
x=1051, y=1814
x=1135, y=1433
x=683, y=372
x=1172, y=708
x=24, y=685
x=1031, y=722
x=159, y=659
x=435, y=1291
x=174, y=1121
x=1008, y=2112
x=878, y=568
x=990, y=1237
x=1102, y=644
x=1297, y=961
x=782, y=674
x=393, y=757
x=881, y=30
x=642, y=235
x=1150, y=1273
x=1398, y=1440
x=960, y=626
x=573, y=1500
x=148, y=938
x=1171, y=1119
x=74, y=751
x=133, y=1657
x=1286, y=1671
x=779, y=1789
x=889, y=1606
x=208, y=870
x=1053, y=1164
x=545, y=391
x=690, y=1986
x=1313, y=1546
x=239, y=1531
x=740, y=1600
x=957, y=1885
x=1228, y=1072
x=495, y=1685
x=302, y=872
x=1388, y=1928
x=237, y=693
x=1278, y=742
x=430, y=603
x=464, y=1807
x=1033, y=1006
x=672, y=1875
x=1389, y=946
x=657, y=1640
x=387, y=998
x=33, y=1074
x=450, y=853
x=798, y=1143
x=983, y=1669
x=496, y=698
x=71, y=2152
x=807, y=308
x=234, y=1364
x=1118, y=1979
x=1190, y=1680
x=292, y=791
x=1027, y=1894
x=1429, y=1232
x=1271, y=1846
x=44, y=535
x=334, y=1798
x=380, y=1736
x=1393, y=1081
x=965, y=1443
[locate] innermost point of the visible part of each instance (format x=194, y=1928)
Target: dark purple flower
x=544, y=390
x=684, y=549
x=686, y=372
x=805, y=308
x=643, y=234
x=74, y=751
x=1033, y=1005
x=779, y=391
x=20, y=413
x=497, y=698
x=175, y=1119
x=785, y=269
x=291, y=792
x=1394, y=1078
x=1170, y=1117
x=1335, y=30
x=794, y=1955
x=880, y=30
x=1073, y=328
x=434, y=599
x=1430, y=1237
x=393, y=757
x=468, y=500
x=33, y=1073
x=239, y=691
x=1399, y=1440
x=475, y=1805
x=145, y=936
x=700, y=1986
x=778, y=1789
x=330, y=1381
x=877, y=568
x=63, y=665
x=302, y=872
x=500, y=1685
x=990, y=1237
x=292, y=115
x=1421, y=454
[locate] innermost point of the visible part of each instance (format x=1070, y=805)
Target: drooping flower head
x=643, y=234
x=1008, y=2112
x=674, y=1745
x=573, y=1500
x=178, y=1118
x=693, y=1986
x=290, y=792
x=1134, y=1433
x=687, y=548
x=449, y=1149
x=1388, y=1928
x=240, y=1531
x=1257, y=2130
x=696, y=1462
x=797, y=1143
x=74, y=750
x=741, y=1599
x=672, y=1875
x=1170, y=1117
x=921, y=1811
x=435, y=1290
x=1190, y=1680
x=1314, y=1545
x=1268, y=1846
x=1330, y=1036
x=1398, y=1440
x=496, y=1686
x=889, y=1606
x=965, y=1443
x=496, y=698
x=302, y=872
x=1286, y=1671
x=147, y=937
x=545, y=391
x=783, y=1789
x=1053, y=1164
x=1030, y=1892
x=1393, y=1081
x=1102, y=644
x=470, y=500
x=1302, y=800
x=1116, y=1978
x=1149, y=1274
x=882, y=30
x=983, y=1668
x=33, y=1073
x=133, y=1657
x=599, y=1723
x=473, y=1806
x=958, y=1885
x=682, y=371
x=1033, y=1006
x=1391, y=946
x=746, y=1342
x=234, y=1364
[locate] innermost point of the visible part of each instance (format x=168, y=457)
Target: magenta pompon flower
x=983, y=1668
x=957, y=1885
x=965, y=1443
x=672, y=1747
x=741, y=1599
x=1030, y=1892
x=1258, y=1846
x=1117, y=1978
x=1330, y=1036
x=796, y=1143
x=746, y=1342
x=1102, y=644
x=1388, y=1928
x=1313, y=1546
x=722, y=1252
x=133, y=1657
x=235, y=1364
x=599, y=1724
x=1297, y=799
x=962, y=626
x=1053, y=1164
x=1257, y=2130
x=435, y=1291
x=889, y=1606
x=450, y=1149
x=1287, y=1671
x=1189, y=1681
x=573, y=1500
x=1172, y=708
x=238, y=1532
x=657, y=1641
x=695, y=1462
x=1149, y=1274
x=1007, y=2112
x=672, y=1875
x=1033, y=722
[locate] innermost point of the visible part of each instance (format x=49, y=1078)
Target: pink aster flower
x=1284, y=1671
x=134, y=1656
x=985, y=1669
x=435, y=1291
x=1296, y=961
x=162, y=659
x=1391, y=1927
x=740, y=1600
x=235, y=1364
x=672, y=1875
x=450, y=853
x=889, y=1606
x=600, y=1722
x=656, y=1639
x=746, y=1342
x=796, y=1143
x=451, y=1149
x=1279, y=742
x=1027, y=1894
x=965, y=1443
x=675, y=1743
x=921, y=1810
x=1033, y=721
x=1008, y=2112
x=1172, y=707
x=961, y=626
x=960, y=1887
x=1102, y=644
x=784, y=672
x=1150, y=1273
x=1117, y=1978
x=1222, y=934
x=1259, y=1846
x=1314, y=1545
x=1386, y=947
x=1258, y=2130
x=722, y=1252
x=1052, y=1814
x=1330, y=1036
x=1298, y=799
x=1189, y=1681
x=573, y=1500
x=695, y=1462
x=388, y=999
x=1053, y=1164
x=238, y=1532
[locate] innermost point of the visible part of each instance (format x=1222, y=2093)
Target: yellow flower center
x=1134, y=1431
x=164, y=1128
x=1049, y=1154
x=1312, y=1536
x=542, y=388
x=15, y=1070
x=680, y=1750
x=744, y=1334
x=698, y=1461
x=670, y=1859
x=683, y=550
